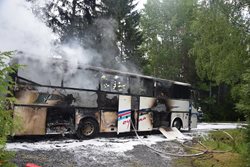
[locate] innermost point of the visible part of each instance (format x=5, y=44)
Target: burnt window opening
x=163, y=87
x=42, y=98
x=108, y=101
x=34, y=72
x=84, y=98
x=60, y=115
x=181, y=92
x=55, y=97
x=141, y=86
x=105, y=83
x=114, y=83
x=195, y=97
x=82, y=79
x=60, y=119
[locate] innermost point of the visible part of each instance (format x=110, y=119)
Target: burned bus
x=97, y=100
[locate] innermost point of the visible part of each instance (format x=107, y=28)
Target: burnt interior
x=141, y=86
x=161, y=106
x=181, y=92
x=114, y=83
x=103, y=90
x=134, y=111
x=108, y=101
x=60, y=119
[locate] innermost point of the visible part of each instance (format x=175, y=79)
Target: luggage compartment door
x=124, y=114
x=145, y=119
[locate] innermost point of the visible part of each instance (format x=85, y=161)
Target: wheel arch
x=87, y=117
x=93, y=124
x=175, y=119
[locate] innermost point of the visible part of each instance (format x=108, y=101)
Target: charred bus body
x=102, y=100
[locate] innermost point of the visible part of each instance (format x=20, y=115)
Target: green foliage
x=220, y=51
x=248, y=143
x=166, y=30
x=110, y=27
x=221, y=140
x=220, y=44
x=244, y=104
x=128, y=33
x=184, y=39
x=6, y=123
x=244, y=94
x=232, y=142
x=71, y=19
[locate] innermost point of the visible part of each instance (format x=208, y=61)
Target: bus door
x=124, y=114
x=193, y=116
x=145, y=119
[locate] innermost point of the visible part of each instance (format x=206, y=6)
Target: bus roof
x=111, y=71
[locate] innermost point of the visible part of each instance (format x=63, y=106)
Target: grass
x=230, y=142
x=5, y=157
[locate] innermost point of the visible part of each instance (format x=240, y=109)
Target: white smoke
x=21, y=30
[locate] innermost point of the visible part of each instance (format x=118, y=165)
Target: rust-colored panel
x=78, y=117
x=108, y=121
x=97, y=116
x=31, y=97
x=136, y=118
x=26, y=97
x=32, y=121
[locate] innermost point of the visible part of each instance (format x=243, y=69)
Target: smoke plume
x=46, y=60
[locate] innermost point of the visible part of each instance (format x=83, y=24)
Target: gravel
x=102, y=151
x=97, y=156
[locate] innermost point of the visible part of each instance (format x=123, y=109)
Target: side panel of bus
x=180, y=110
x=40, y=110
x=145, y=120
x=194, y=118
x=31, y=121
x=124, y=114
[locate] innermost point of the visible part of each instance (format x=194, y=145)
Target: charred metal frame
x=99, y=91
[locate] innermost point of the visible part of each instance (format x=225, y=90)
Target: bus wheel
x=87, y=128
x=177, y=123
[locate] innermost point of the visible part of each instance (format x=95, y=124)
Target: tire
x=177, y=123
x=87, y=128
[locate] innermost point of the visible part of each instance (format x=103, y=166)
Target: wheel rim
x=88, y=128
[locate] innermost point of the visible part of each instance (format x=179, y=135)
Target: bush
x=244, y=106
x=6, y=123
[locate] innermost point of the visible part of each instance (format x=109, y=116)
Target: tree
x=6, y=123
x=110, y=28
x=71, y=19
x=166, y=29
x=80, y=22
x=128, y=33
x=244, y=105
x=219, y=50
x=219, y=45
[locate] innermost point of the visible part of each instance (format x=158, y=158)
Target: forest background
x=205, y=43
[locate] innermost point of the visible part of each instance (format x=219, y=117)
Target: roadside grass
x=5, y=157
x=225, y=149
